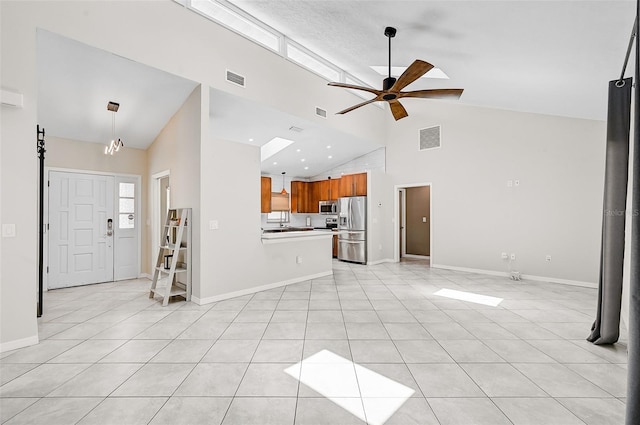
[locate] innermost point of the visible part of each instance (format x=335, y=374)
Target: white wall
x=380, y=220
x=18, y=194
x=555, y=210
x=177, y=148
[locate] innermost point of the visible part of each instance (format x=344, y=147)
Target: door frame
x=402, y=222
x=155, y=214
x=47, y=170
x=396, y=215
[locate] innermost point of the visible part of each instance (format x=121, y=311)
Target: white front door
x=81, y=224
x=126, y=225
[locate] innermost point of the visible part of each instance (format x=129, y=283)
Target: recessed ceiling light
x=329, y=157
x=328, y=146
x=306, y=168
x=251, y=140
x=398, y=70
x=275, y=163
x=297, y=150
x=302, y=160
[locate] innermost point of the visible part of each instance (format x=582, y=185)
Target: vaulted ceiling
x=549, y=57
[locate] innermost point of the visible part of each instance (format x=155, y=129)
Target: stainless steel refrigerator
x=352, y=229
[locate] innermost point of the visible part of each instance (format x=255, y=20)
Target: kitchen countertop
x=294, y=236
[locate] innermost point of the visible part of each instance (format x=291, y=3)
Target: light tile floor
x=110, y=355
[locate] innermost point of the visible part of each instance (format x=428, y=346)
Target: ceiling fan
x=392, y=88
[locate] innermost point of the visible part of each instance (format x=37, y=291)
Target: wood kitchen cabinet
x=334, y=189
x=353, y=185
x=335, y=246
x=315, y=196
x=300, y=197
x=265, y=194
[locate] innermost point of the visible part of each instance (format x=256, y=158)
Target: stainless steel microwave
x=328, y=207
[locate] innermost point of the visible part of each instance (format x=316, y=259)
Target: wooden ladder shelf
x=174, y=251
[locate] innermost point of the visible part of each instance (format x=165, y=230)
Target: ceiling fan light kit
x=392, y=88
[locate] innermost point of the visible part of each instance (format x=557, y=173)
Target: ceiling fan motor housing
x=387, y=83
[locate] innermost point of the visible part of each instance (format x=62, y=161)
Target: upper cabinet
x=328, y=190
x=353, y=185
x=299, y=196
x=334, y=189
x=306, y=196
x=265, y=194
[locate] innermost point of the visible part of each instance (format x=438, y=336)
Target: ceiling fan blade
x=416, y=70
x=351, y=86
x=357, y=106
x=433, y=94
x=398, y=110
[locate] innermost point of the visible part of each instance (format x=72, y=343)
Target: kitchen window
x=278, y=217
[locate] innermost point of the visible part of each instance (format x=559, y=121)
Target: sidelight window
x=126, y=205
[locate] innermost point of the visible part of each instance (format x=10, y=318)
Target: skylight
x=469, y=296
x=273, y=146
x=369, y=396
x=396, y=71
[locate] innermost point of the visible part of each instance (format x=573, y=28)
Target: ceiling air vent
x=321, y=112
x=234, y=78
x=430, y=138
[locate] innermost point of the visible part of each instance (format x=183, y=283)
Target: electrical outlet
x=548, y=258
x=213, y=224
x=505, y=256
x=298, y=259
x=513, y=257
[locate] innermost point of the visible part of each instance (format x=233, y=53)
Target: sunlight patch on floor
x=366, y=394
x=469, y=296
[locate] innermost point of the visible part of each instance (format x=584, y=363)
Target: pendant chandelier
x=114, y=145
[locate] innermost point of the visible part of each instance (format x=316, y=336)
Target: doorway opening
x=413, y=233
x=161, y=203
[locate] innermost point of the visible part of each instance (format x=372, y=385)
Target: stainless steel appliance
x=332, y=222
x=328, y=207
x=352, y=229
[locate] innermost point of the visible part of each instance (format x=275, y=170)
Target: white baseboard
x=416, y=257
x=384, y=260
x=523, y=276
x=144, y=276
x=19, y=343
x=255, y=289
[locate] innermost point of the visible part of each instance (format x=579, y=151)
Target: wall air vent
x=321, y=112
x=236, y=79
x=295, y=129
x=430, y=138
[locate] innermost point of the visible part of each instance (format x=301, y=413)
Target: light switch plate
x=8, y=230
x=213, y=224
